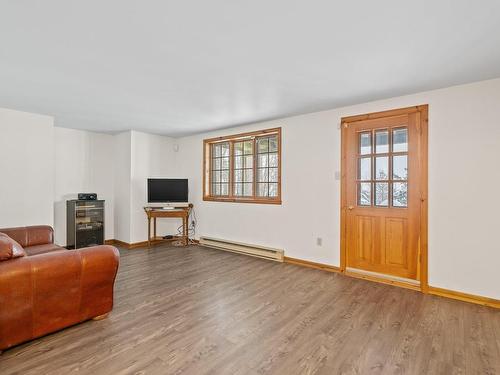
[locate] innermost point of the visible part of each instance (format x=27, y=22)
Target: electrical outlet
x=319, y=241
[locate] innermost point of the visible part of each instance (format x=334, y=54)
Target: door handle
x=350, y=208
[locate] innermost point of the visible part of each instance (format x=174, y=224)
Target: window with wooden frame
x=243, y=167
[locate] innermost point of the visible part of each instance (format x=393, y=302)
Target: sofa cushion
x=42, y=249
x=9, y=248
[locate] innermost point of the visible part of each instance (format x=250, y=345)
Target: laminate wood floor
x=201, y=311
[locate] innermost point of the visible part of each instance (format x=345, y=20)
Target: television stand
x=173, y=212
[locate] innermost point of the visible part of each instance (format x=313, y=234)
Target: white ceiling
x=181, y=67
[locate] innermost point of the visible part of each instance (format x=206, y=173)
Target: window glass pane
x=224, y=176
x=247, y=148
x=248, y=175
x=262, y=174
x=400, y=140
x=247, y=190
x=263, y=145
x=262, y=189
x=382, y=141
x=216, y=150
x=248, y=161
x=216, y=164
x=365, y=143
x=273, y=143
x=364, y=193
x=273, y=174
x=215, y=176
x=273, y=160
x=238, y=189
x=365, y=168
x=263, y=160
x=225, y=163
x=238, y=175
x=382, y=168
x=382, y=194
x=217, y=189
x=400, y=167
x=238, y=148
x=224, y=189
x=238, y=162
x=225, y=149
x=400, y=194
x=273, y=190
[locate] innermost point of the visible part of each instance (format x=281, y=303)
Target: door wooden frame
x=422, y=125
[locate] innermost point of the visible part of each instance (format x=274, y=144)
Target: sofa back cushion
x=9, y=248
x=30, y=236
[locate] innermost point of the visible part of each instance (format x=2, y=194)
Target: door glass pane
x=364, y=193
x=224, y=189
x=400, y=194
x=400, y=140
x=400, y=167
x=381, y=141
x=365, y=168
x=382, y=194
x=382, y=168
x=365, y=143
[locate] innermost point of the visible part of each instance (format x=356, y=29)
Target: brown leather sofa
x=44, y=287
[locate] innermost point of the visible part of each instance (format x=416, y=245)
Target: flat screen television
x=167, y=190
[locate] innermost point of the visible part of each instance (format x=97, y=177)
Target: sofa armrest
x=47, y=292
x=32, y=235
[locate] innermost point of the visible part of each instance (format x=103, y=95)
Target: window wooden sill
x=243, y=200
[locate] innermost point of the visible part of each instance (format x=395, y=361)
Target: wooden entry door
x=384, y=192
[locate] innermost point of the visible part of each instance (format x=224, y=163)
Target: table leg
x=154, y=229
x=149, y=232
x=185, y=230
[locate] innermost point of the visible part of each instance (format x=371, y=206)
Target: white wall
x=122, y=185
x=26, y=168
x=152, y=156
x=464, y=151
x=82, y=164
x=138, y=156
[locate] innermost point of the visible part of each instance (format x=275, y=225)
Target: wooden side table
x=176, y=212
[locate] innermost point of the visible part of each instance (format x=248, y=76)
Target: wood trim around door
x=422, y=125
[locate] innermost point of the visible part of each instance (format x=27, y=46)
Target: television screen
x=164, y=190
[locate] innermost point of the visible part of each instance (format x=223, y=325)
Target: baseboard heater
x=242, y=248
